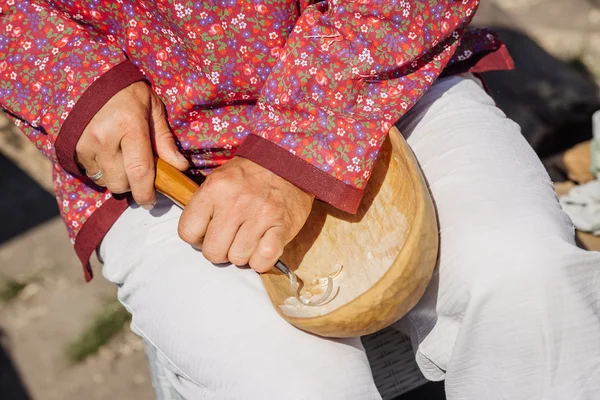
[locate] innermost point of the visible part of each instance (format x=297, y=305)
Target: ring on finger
x=95, y=177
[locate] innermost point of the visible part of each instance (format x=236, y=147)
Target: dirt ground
x=56, y=305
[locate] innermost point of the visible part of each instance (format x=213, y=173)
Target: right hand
x=120, y=139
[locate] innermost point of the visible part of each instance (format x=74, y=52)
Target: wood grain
x=388, y=250
x=173, y=183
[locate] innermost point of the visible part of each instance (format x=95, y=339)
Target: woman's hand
x=120, y=139
x=244, y=214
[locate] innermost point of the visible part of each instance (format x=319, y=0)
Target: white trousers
x=513, y=310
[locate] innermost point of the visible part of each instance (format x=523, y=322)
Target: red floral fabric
x=308, y=91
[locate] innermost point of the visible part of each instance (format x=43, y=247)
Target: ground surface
x=56, y=305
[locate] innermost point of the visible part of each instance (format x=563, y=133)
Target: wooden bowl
x=387, y=252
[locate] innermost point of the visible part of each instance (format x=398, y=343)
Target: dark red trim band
x=302, y=174
x=95, y=228
x=92, y=100
x=494, y=60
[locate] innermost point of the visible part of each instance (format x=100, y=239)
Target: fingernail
x=147, y=207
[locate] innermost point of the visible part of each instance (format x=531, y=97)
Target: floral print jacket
x=307, y=90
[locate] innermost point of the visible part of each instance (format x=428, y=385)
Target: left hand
x=244, y=214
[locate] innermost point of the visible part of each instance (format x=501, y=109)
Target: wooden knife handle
x=173, y=183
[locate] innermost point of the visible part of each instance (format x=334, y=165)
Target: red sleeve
x=54, y=76
x=348, y=71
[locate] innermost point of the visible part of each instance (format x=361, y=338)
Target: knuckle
x=186, y=234
x=139, y=170
x=118, y=188
x=126, y=121
x=273, y=211
x=243, y=198
x=238, y=259
x=213, y=255
x=143, y=198
x=93, y=130
x=260, y=267
x=141, y=91
x=106, y=147
x=269, y=252
x=214, y=185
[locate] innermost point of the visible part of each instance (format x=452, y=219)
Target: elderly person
x=288, y=102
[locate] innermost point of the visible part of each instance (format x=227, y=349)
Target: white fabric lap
x=215, y=324
x=512, y=311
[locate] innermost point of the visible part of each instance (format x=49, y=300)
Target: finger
x=194, y=219
x=93, y=168
x=269, y=250
x=219, y=237
x=163, y=139
x=87, y=160
x=138, y=161
x=113, y=172
x=245, y=242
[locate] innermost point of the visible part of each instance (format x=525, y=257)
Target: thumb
x=163, y=139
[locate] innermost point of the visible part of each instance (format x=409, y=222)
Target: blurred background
x=63, y=339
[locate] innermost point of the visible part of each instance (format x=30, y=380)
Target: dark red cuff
x=497, y=60
x=302, y=174
x=95, y=228
x=493, y=60
x=92, y=100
